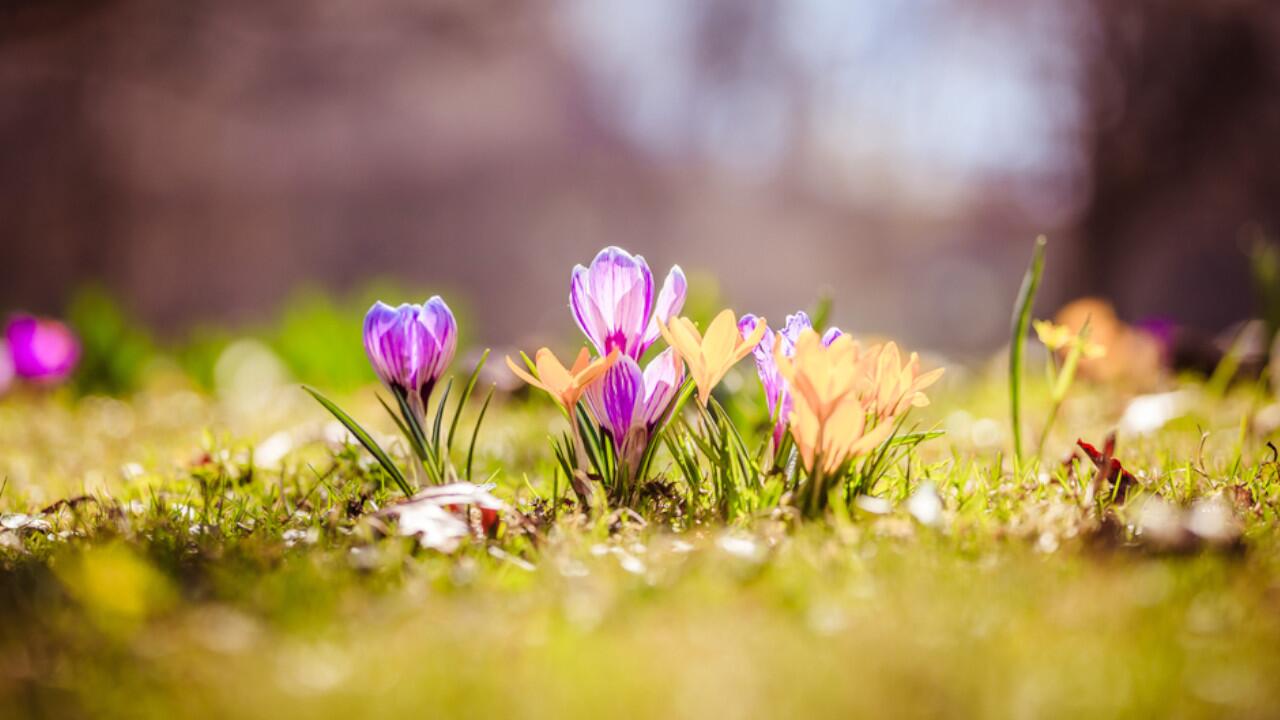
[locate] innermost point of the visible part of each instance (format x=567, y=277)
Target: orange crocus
x=565, y=385
x=828, y=419
x=892, y=387
x=710, y=356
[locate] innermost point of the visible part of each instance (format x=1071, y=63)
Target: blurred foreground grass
x=178, y=554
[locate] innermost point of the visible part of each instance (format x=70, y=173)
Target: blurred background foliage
x=205, y=160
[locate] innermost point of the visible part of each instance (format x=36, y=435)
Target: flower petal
x=670, y=302
x=615, y=400
x=662, y=380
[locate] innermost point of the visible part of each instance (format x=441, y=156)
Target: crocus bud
x=411, y=346
x=41, y=350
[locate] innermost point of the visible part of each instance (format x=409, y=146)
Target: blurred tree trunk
x=1183, y=140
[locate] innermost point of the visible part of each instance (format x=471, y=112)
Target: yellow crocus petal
x=720, y=339
x=524, y=375
x=553, y=375
x=710, y=356
x=595, y=370
x=564, y=385
x=583, y=360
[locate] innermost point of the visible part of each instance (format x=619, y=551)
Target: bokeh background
x=200, y=161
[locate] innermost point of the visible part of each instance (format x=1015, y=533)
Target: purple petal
x=441, y=329
x=584, y=309
x=831, y=335
x=377, y=324
x=615, y=399
x=662, y=380
x=670, y=301
x=796, y=324
x=41, y=350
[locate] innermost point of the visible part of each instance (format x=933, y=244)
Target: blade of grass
x=419, y=436
x=466, y=395
x=365, y=439
x=1021, y=323
x=404, y=429
x=435, y=426
x=471, y=449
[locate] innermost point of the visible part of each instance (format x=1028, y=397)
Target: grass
x=222, y=557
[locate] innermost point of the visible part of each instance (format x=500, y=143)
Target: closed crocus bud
x=411, y=346
x=41, y=350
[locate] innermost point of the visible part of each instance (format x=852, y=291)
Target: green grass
x=199, y=571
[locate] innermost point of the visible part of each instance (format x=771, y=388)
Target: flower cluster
x=836, y=399
x=846, y=399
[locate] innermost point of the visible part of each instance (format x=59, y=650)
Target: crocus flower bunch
x=835, y=399
x=37, y=350
x=847, y=402
x=614, y=303
x=776, y=392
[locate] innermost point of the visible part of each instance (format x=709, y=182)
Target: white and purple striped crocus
x=614, y=304
x=41, y=350
x=629, y=403
x=411, y=346
x=776, y=392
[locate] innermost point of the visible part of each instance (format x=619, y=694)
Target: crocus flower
x=629, y=403
x=828, y=419
x=410, y=346
x=891, y=387
x=776, y=393
x=41, y=350
x=710, y=357
x=613, y=302
x=565, y=385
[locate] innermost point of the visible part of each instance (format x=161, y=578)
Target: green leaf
x=404, y=429
x=466, y=395
x=418, y=436
x=1021, y=323
x=471, y=449
x=435, y=426
x=365, y=439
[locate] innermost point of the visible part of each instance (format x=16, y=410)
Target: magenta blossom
x=776, y=392
x=629, y=403
x=41, y=350
x=613, y=302
x=411, y=346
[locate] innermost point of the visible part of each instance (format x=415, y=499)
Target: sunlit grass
x=223, y=557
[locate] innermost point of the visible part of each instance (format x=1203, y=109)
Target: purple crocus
x=629, y=403
x=776, y=392
x=410, y=346
x=41, y=350
x=613, y=301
